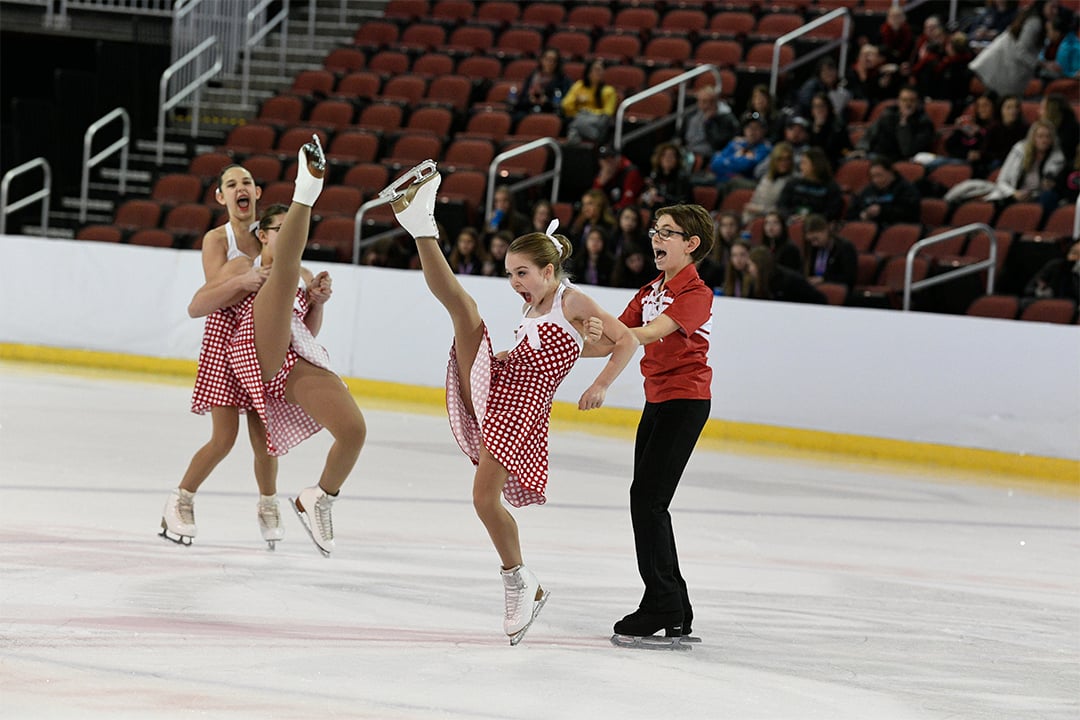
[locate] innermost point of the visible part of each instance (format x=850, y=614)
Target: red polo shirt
x=675, y=367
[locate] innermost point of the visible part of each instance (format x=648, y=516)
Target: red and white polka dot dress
x=512, y=399
x=215, y=383
x=287, y=425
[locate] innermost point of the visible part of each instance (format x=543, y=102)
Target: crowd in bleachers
x=916, y=135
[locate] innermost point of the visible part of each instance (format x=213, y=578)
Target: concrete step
x=92, y=204
x=134, y=176
x=59, y=230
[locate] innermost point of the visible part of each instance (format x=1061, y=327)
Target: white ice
x=822, y=588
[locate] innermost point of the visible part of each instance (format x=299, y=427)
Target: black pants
x=666, y=436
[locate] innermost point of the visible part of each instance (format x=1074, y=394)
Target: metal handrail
x=953, y=273
x=195, y=86
x=1076, y=220
x=89, y=162
x=42, y=194
x=253, y=37
x=845, y=35
x=554, y=174
x=677, y=117
x=358, y=223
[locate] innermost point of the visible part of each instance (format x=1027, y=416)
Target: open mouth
x=659, y=254
x=243, y=203
x=526, y=296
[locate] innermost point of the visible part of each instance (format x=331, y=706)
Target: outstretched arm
x=600, y=345
x=233, y=282
x=579, y=307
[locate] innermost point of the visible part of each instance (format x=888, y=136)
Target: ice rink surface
x=823, y=588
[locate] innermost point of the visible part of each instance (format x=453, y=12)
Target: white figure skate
x=412, y=198
x=270, y=520
x=178, y=517
x=310, y=170
x=524, y=599
x=312, y=506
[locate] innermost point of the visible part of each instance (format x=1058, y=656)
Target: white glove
x=308, y=186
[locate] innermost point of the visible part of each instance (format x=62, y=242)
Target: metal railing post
x=679, y=81
x=845, y=35
x=990, y=263
x=166, y=104
x=43, y=194
x=89, y=162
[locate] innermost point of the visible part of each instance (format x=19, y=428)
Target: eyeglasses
x=665, y=233
x=275, y=228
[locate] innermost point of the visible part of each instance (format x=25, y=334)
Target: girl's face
x=466, y=244
x=1010, y=109
x=1043, y=139
x=594, y=243
x=498, y=248
x=268, y=235
x=549, y=61
x=542, y=217
x=635, y=262
x=751, y=268
x=819, y=108
x=589, y=207
x=668, y=160
x=501, y=201
x=759, y=101
x=984, y=108
x=729, y=227
x=740, y=257
x=629, y=220
x=532, y=283
x=238, y=192
x=772, y=226
x=596, y=73
x=806, y=168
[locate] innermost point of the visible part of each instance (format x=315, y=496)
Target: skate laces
x=322, y=516
x=269, y=516
x=514, y=590
x=185, y=508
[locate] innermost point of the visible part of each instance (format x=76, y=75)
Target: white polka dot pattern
x=216, y=385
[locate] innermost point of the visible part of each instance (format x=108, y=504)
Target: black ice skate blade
x=516, y=637
x=307, y=528
x=272, y=544
x=653, y=642
x=184, y=540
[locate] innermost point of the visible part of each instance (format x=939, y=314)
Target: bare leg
x=225, y=423
x=266, y=465
x=323, y=396
x=487, y=501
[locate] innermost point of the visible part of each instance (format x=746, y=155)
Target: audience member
x=829, y=257
x=635, y=270
x=544, y=89
x=594, y=210
x=764, y=104
x=590, y=105
x=504, y=216
x=1060, y=56
x=736, y=275
x=1010, y=129
x=781, y=168
x=734, y=165
x=1058, y=278
x=774, y=235
x=468, y=256
x=596, y=264
x=897, y=38
x=950, y=78
x=813, y=190
x=1008, y=63
x=888, y=198
x=618, y=178
x=797, y=135
x=901, y=131
x=709, y=126
x=769, y=281
x=669, y=181
x=828, y=130
x=870, y=78
x=495, y=265
x=542, y=214
x=929, y=51
x=967, y=141
x=1055, y=109
x=993, y=19
x=629, y=232
x=825, y=81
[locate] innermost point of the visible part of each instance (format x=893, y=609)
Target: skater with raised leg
x=500, y=403
x=672, y=318
x=283, y=368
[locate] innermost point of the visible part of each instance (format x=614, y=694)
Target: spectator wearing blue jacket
x=734, y=165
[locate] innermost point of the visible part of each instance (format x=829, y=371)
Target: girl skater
x=283, y=369
x=500, y=404
x=672, y=318
x=217, y=390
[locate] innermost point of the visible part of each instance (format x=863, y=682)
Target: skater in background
x=217, y=389
x=285, y=371
x=500, y=403
x=672, y=318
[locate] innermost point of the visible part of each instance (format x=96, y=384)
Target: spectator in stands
x=504, y=216
x=594, y=210
x=542, y=215
x=828, y=130
x=596, y=264
x=870, y=78
x=951, y=78
x=737, y=273
x=774, y=235
x=967, y=142
x=769, y=281
x=826, y=81
x=734, y=165
x=901, y=131
x=1008, y=63
x=669, y=181
x=1059, y=278
x=897, y=38
x=495, y=266
x=710, y=126
x=618, y=178
x=1069, y=182
x=635, y=270
x=1060, y=56
x=468, y=256
x=544, y=89
x=929, y=51
x=813, y=190
x=728, y=229
x=764, y=104
x=888, y=198
x=829, y=257
x=993, y=20
x=1055, y=109
x=797, y=135
x=1010, y=129
x=781, y=168
x=590, y=105
x=629, y=232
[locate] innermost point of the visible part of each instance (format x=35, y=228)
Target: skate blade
x=184, y=540
x=314, y=152
x=651, y=642
x=304, y=521
x=272, y=544
x=516, y=637
x=419, y=174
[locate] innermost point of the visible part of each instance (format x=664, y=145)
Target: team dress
x=216, y=384
x=287, y=425
x=512, y=399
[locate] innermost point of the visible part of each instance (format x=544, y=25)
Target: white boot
x=312, y=506
x=178, y=517
x=414, y=206
x=310, y=169
x=524, y=597
x=270, y=520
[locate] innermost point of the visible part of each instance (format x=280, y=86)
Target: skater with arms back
x=500, y=404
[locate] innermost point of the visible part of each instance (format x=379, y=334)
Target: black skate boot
x=639, y=628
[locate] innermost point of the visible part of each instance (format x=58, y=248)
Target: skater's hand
x=253, y=279
x=592, y=398
x=594, y=329
x=320, y=290
x=502, y=355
